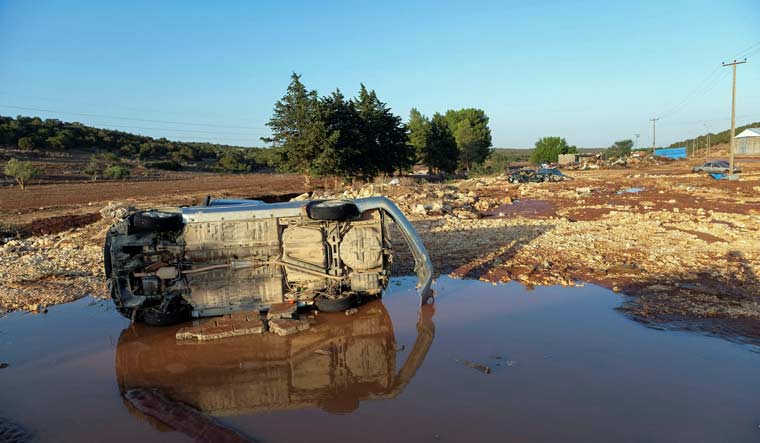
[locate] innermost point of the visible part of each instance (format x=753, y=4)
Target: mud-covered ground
x=681, y=245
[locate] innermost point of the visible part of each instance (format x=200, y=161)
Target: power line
x=704, y=86
x=86, y=114
x=749, y=50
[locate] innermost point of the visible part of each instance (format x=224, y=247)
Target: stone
x=287, y=326
x=300, y=198
x=282, y=310
x=230, y=325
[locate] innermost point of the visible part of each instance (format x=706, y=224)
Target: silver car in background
x=715, y=167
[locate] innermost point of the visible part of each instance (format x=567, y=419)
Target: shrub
x=116, y=172
x=99, y=163
x=234, y=161
x=21, y=171
x=27, y=143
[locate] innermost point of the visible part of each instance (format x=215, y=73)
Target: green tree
x=548, y=149
x=383, y=135
x=98, y=163
x=441, y=154
x=27, y=143
x=620, y=148
x=116, y=172
x=234, y=161
x=298, y=131
x=419, y=133
x=21, y=171
x=346, y=156
x=473, y=136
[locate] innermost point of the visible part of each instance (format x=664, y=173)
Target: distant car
x=537, y=176
x=715, y=167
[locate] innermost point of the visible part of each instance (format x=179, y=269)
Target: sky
x=590, y=71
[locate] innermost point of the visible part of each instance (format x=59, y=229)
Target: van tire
x=325, y=304
x=332, y=210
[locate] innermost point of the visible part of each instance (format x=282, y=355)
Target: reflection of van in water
x=334, y=365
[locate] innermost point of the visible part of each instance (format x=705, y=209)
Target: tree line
x=36, y=134
x=360, y=136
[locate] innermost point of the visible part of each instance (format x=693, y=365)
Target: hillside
x=720, y=137
x=50, y=136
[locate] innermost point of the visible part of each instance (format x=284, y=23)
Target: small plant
x=116, y=172
x=21, y=171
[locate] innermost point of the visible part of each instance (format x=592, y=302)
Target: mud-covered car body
x=232, y=255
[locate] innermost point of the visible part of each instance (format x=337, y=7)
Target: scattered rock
x=287, y=326
x=282, y=310
x=302, y=197
x=116, y=211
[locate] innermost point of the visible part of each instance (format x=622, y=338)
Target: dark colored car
x=537, y=176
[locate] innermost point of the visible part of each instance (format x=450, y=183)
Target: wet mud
x=485, y=363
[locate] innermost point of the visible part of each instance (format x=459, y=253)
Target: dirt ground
x=680, y=246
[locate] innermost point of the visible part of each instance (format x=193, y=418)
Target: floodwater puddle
x=485, y=363
x=530, y=208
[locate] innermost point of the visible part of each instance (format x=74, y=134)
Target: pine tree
x=441, y=153
x=473, y=136
x=419, y=132
x=299, y=133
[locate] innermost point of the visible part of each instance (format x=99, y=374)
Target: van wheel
x=332, y=210
x=326, y=304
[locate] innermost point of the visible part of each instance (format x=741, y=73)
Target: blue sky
x=590, y=71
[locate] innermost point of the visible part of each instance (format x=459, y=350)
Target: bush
x=166, y=165
x=116, y=172
x=99, y=163
x=21, y=171
x=234, y=161
x=27, y=143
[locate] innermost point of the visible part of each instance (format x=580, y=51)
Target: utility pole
x=636, y=143
x=733, y=114
x=654, y=131
x=707, y=129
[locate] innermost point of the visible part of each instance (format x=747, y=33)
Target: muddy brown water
x=564, y=366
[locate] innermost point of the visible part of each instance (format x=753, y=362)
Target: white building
x=748, y=142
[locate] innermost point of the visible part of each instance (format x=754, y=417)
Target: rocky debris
x=230, y=325
x=282, y=310
x=300, y=198
x=116, y=211
x=287, y=326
